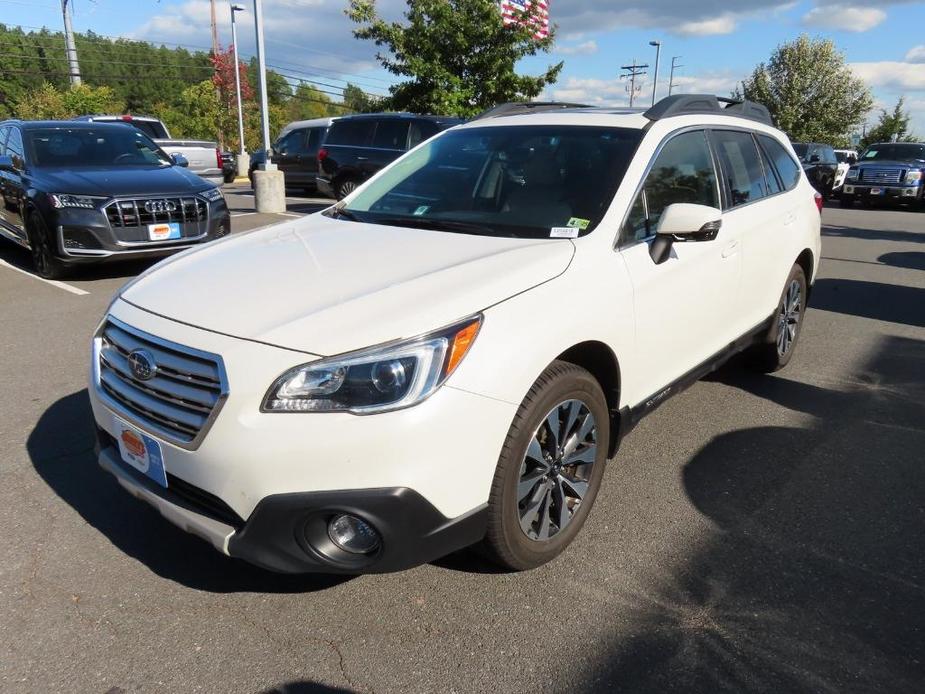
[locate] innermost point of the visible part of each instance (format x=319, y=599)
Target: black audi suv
x=87, y=192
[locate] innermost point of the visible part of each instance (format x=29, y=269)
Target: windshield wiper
x=437, y=224
x=340, y=211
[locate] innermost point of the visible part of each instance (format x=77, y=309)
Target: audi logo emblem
x=160, y=206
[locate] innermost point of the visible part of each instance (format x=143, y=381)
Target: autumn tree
x=223, y=79
x=811, y=93
x=458, y=56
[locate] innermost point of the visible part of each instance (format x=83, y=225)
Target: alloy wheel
x=788, y=320
x=556, y=469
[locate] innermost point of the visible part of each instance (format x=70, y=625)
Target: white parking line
x=242, y=214
x=53, y=283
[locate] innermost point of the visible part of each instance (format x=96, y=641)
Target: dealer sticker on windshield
x=579, y=222
x=563, y=233
x=164, y=231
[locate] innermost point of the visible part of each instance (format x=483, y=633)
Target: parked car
x=87, y=192
x=359, y=146
x=887, y=172
x=295, y=152
x=204, y=157
x=820, y=165
x=845, y=158
x=451, y=354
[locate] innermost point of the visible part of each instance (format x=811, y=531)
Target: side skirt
x=631, y=416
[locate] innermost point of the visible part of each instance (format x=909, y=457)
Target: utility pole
x=674, y=66
x=242, y=159
x=658, y=55
x=215, y=46
x=632, y=72
x=269, y=181
x=73, y=67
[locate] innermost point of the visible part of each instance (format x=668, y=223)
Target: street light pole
x=269, y=181
x=235, y=8
x=658, y=55
x=71, y=47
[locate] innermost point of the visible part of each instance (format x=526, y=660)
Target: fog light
x=353, y=534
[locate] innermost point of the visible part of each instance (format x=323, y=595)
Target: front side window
x=682, y=172
x=422, y=130
x=103, y=147
x=292, y=143
x=14, y=148
x=787, y=168
x=514, y=181
x=741, y=167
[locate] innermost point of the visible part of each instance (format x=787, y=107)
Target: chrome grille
x=179, y=401
x=882, y=175
x=134, y=213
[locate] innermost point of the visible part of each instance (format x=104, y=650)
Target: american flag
x=510, y=9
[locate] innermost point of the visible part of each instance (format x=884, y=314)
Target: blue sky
x=719, y=41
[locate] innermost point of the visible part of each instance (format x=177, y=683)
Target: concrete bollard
x=244, y=164
x=270, y=190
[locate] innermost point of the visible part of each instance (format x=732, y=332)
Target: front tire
x=44, y=261
x=776, y=349
x=550, y=468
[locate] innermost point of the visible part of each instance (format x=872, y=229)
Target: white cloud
x=916, y=54
x=613, y=92
x=854, y=19
x=890, y=74
x=724, y=24
x=586, y=48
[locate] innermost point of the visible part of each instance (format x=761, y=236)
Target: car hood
x=327, y=286
x=887, y=163
x=122, y=181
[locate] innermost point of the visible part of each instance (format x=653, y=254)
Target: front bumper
x=420, y=475
x=893, y=193
x=86, y=235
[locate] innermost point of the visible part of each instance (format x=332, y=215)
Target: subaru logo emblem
x=153, y=206
x=142, y=365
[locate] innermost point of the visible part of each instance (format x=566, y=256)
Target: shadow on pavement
x=875, y=234
x=22, y=259
x=306, y=687
x=887, y=302
x=813, y=578
x=61, y=450
x=913, y=260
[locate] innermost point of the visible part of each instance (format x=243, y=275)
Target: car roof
x=59, y=124
x=125, y=117
x=401, y=115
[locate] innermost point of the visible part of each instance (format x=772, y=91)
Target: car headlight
x=852, y=174
x=913, y=176
x=87, y=202
x=212, y=194
x=378, y=379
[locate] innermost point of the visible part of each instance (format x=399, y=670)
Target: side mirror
x=683, y=222
x=6, y=163
x=179, y=160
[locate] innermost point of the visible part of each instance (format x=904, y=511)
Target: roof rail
x=514, y=108
x=687, y=104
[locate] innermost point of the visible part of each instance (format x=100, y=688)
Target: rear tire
x=46, y=263
x=776, y=348
x=344, y=187
x=549, y=470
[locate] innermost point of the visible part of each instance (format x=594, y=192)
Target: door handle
x=731, y=249
x=362, y=158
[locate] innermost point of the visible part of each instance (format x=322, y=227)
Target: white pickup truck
x=204, y=157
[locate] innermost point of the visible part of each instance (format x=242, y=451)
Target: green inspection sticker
x=579, y=222
x=421, y=210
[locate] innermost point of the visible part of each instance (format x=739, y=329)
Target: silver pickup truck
x=204, y=157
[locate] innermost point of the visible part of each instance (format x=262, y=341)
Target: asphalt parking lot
x=755, y=533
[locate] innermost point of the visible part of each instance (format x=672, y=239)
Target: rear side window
x=742, y=170
x=352, y=132
x=786, y=167
x=422, y=130
x=152, y=129
x=391, y=134
x=682, y=172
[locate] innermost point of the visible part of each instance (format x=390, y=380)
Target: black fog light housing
x=353, y=534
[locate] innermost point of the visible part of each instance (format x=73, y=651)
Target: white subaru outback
x=450, y=355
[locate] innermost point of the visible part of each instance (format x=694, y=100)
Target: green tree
x=47, y=102
x=891, y=124
x=308, y=102
x=197, y=113
x=355, y=100
x=810, y=91
x=459, y=56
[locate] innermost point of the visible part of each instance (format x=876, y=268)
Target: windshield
x=152, y=129
x=106, y=146
x=520, y=181
x=800, y=149
x=898, y=151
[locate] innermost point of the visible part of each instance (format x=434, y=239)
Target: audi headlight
x=88, y=202
x=852, y=174
x=212, y=194
x=377, y=379
x=913, y=176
